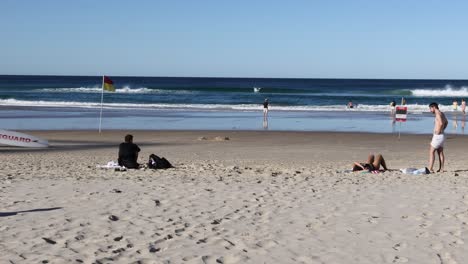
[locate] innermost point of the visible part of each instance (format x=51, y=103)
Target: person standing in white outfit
x=438, y=139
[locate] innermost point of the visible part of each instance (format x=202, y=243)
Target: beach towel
x=415, y=171
x=112, y=165
x=362, y=171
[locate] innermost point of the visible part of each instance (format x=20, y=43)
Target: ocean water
x=219, y=103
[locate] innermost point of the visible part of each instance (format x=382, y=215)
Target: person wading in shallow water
x=265, y=109
x=438, y=139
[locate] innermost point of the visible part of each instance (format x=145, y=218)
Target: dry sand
x=259, y=197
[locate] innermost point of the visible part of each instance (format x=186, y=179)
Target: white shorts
x=265, y=110
x=438, y=141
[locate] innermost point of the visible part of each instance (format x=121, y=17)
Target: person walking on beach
x=437, y=143
x=265, y=109
x=128, y=153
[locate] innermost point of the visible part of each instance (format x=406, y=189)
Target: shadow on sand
x=5, y=214
x=76, y=145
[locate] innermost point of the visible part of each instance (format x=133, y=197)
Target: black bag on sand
x=156, y=162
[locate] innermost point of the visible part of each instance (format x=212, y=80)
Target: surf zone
x=15, y=138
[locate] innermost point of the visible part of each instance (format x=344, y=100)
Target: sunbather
x=373, y=164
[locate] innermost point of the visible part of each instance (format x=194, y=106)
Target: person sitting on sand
x=128, y=153
x=372, y=164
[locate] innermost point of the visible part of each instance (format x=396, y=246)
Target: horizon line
x=201, y=77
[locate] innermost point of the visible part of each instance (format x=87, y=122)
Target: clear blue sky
x=310, y=39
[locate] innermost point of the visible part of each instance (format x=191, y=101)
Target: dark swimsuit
x=367, y=166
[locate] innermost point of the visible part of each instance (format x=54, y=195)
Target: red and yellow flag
x=108, y=84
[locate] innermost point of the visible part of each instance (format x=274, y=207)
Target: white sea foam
x=412, y=108
x=97, y=89
x=71, y=90
x=127, y=89
x=447, y=91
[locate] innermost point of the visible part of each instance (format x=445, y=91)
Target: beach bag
x=155, y=162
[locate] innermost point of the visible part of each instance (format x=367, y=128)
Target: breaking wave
x=412, y=108
x=447, y=91
x=96, y=89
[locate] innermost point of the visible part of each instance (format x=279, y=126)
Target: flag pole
x=102, y=100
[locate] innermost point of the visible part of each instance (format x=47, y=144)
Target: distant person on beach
x=403, y=101
x=463, y=105
x=455, y=105
x=350, y=104
x=373, y=163
x=437, y=143
x=392, y=106
x=128, y=153
x=265, y=108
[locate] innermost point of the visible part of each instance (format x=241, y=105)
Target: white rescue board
x=18, y=139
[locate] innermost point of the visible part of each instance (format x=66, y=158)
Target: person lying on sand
x=373, y=164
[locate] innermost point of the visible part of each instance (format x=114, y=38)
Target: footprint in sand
x=373, y=219
x=400, y=246
x=425, y=224
x=266, y=244
x=400, y=259
x=228, y=244
x=462, y=216
x=426, y=214
x=465, y=199
x=437, y=246
x=456, y=233
x=423, y=235
x=315, y=224
x=207, y=259
x=190, y=258
x=446, y=258
x=456, y=243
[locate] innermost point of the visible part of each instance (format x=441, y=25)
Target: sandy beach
x=234, y=197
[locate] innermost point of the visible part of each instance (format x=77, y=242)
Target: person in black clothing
x=265, y=109
x=128, y=153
